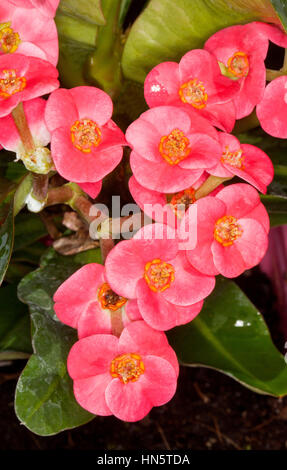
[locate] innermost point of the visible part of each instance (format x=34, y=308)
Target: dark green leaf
x=230, y=335
x=6, y=242
x=45, y=401
x=167, y=29
x=276, y=207
x=14, y=323
x=28, y=229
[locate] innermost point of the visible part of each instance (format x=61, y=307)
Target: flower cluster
x=182, y=151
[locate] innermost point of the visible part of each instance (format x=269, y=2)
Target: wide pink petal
x=162, y=84
x=228, y=259
x=92, y=103
x=162, y=177
x=272, y=110
x=73, y=297
x=144, y=138
x=205, y=152
x=132, y=310
x=94, y=320
x=90, y=393
x=91, y=356
x=239, y=199
x=133, y=401
x=161, y=314
x=253, y=243
x=75, y=165
x=189, y=286
x=61, y=110
x=92, y=189
x=138, y=336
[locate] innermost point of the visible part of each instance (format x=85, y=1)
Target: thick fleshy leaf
x=231, y=336
x=15, y=335
x=89, y=11
x=167, y=29
x=6, y=241
x=45, y=401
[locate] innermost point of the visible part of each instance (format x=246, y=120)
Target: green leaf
x=231, y=336
x=22, y=192
x=28, y=229
x=6, y=242
x=276, y=207
x=167, y=29
x=89, y=11
x=45, y=401
x=15, y=332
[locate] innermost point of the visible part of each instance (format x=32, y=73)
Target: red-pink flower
x=152, y=269
x=272, y=110
x=125, y=376
x=242, y=49
x=34, y=112
x=46, y=7
x=86, y=144
x=28, y=33
x=86, y=302
x=23, y=78
x=170, y=150
x=196, y=83
x=231, y=229
x=166, y=208
x=244, y=160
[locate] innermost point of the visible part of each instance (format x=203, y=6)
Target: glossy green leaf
x=45, y=401
x=15, y=332
x=231, y=336
x=6, y=242
x=276, y=207
x=167, y=29
x=89, y=11
x=28, y=229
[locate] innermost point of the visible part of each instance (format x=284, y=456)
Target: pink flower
x=23, y=78
x=86, y=302
x=86, y=144
x=232, y=231
x=272, y=110
x=196, y=84
x=166, y=208
x=170, y=151
x=125, y=376
x=244, y=160
x=34, y=112
x=242, y=49
x=46, y=7
x=151, y=269
x=29, y=34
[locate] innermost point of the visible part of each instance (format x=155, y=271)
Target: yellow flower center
x=127, y=367
x=174, y=147
x=159, y=275
x=194, y=93
x=85, y=134
x=9, y=39
x=238, y=64
x=10, y=83
x=181, y=201
x=109, y=299
x=227, y=230
x=233, y=158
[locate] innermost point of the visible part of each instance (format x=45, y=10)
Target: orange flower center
x=233, y=158
x=109, y=299
x=227, y=230
x=181, y=201
x=85, y=134
x=9, y=39
x=10, y=83
x=127, y=367
x=193, y=92
x=158, y=275
x=174, y=147
x=238, y=64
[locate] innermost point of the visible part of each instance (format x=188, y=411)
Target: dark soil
x=209, y=411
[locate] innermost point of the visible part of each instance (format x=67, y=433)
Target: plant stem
x=23, y=128
x=210, y=185
x=40, y=186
